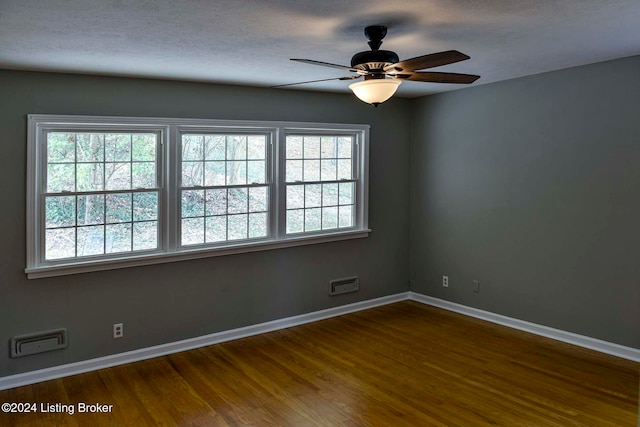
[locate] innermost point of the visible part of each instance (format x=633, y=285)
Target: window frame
x=168, y=160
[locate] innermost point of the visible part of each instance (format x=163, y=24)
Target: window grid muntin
x=45, y=194
x=228, y=187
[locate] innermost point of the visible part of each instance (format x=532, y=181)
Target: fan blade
x=321, y=80
x=428, y=61
x=433, y=77
x=327, y=64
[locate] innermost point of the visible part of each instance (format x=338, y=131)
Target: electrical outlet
x=445, y=281
x=118, y=330
x=476, y=286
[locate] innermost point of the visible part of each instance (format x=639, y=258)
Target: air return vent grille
x=343, y=286
x=40, y=342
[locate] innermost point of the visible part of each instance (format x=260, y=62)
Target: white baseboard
x=261, y=328
x=556, y=334
x=189, y=344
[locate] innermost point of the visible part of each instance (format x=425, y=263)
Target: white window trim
x=169, y=250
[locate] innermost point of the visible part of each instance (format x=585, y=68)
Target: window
x=224, y=187
x=100, y=193
x=320, y=182
x=111, y=192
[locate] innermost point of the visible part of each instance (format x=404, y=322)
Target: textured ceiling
x=250, y=42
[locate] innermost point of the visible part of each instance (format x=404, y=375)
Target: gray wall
x=532, y=186
x=169, y=302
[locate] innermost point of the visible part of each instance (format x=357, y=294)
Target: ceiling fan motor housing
x=373, y=60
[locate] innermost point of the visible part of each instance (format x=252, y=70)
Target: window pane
x=214, y=173
x=216, y=228
x=91, y=209
x=238, y=199
x=236, y=147
x=330, y=217
x=258, y=200
x=144, y=175
x=344, y=169
x=346, y=193
x=90, y=147
x=91, y=240
x=214, y=147
x=144, y=147
x=312, y=170
x=328, y=170
x=295, y=221
x=89, y=176
x=60, y=243
x=145, y=235
x=256, y=147
x=118, y=238
x=294, y=170
x=345, y=216
x=192, y=203
x=256, y=172
x=61, y=147
x=192, y=231
x=345, y=147
x=145, y=206
x=191, y=174
x=312, y=219
x=216, y=202
x=237, y=226
x=313, y=195
x=311, y=147
x=117, y=148
x=60, y=177
x=60, y=211
x=294, y=147
x=329, y=194
x=192, y=147
x=328, y=147
x=118, y=208
x=236, y=173
x=258, y=225
x=118, y=176
x=295, y=196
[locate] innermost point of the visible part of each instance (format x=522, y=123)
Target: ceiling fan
x=383, y=71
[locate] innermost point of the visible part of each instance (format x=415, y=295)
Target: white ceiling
x=250, y=41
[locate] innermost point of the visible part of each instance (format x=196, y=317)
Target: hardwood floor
x=404, y=364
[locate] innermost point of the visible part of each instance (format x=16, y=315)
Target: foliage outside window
x=110, y=192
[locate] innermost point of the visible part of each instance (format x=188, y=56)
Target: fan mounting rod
x=375, y=34
x=375, y=59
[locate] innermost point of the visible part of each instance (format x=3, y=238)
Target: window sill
x=188, y=254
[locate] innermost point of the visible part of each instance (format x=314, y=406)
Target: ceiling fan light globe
x=375, y=91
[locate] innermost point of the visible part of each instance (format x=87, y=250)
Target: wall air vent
x=24, y=345
x=343, y=286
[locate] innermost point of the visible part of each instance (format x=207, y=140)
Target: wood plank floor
x=404, y=364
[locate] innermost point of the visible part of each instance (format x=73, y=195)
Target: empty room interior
x=364, y=213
